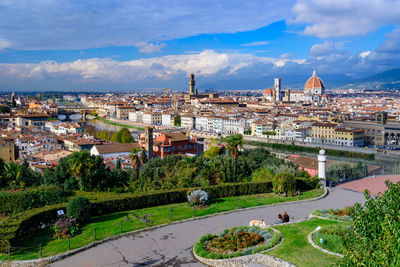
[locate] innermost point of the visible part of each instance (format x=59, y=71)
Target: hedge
x=14, y=202
x=296, y=148
x=19, y=225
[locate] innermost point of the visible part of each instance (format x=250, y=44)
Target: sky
x=113, y=45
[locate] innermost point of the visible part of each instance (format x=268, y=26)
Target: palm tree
x=79, y=163
x=13, y=174
x=233, y=143
x=136, y=161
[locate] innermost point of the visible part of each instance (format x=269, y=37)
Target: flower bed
x=235, y=242
x=335, y=214
x=332, y=237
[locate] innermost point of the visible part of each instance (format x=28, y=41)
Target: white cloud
x=335, y=18
x=256, y=43
x=325, y=48
x=4, y=44
x=65, y=24
x=149, y=48
x=364, y=54
x=206, y=63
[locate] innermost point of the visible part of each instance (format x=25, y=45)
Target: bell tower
x=192, y=83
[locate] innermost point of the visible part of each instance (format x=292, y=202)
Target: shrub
x=235, y=242
x=284, y=183
x=79, y=208
x=14, y=202
x=66, y=227
x=198, y=198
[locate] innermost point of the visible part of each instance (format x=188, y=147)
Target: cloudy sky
x=134, y=44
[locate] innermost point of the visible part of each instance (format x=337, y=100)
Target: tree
x=212, y=152
x=374, y=240
x=234, y=142
x=136, y=161
x=126, y=136
x=284, y=183
x=13, y=174
x=177, y=120
x=79, y=164
x=262, y=175
x=117, y=137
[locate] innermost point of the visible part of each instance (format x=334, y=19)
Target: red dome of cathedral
x=314, y=83
x=268, y=91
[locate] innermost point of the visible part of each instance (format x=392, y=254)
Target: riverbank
x=118, y=124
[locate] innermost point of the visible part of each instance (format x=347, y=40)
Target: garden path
x=172, y=245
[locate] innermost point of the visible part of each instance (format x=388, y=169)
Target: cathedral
x=314, y=92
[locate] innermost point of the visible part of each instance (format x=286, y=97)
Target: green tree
x=374, y=240
x=117, y=137
x=177, y=120
x=234, y=142
x=212, y=152
x=284, y=183
x=126, y=136
x=13, y=175
x=262, y=175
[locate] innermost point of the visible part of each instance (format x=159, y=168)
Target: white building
x=113, y=150
x=188, y=121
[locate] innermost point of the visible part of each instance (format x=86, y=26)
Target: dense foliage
x=345, y=171
x=374, y=240
x=101, y=134
x=284, y=183
x=122, y=136
x=295, y=148
x=18, y=201
x=18, y=176
x=79, y=208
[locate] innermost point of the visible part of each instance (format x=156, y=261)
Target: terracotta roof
x=314, y=82
x=115, y=148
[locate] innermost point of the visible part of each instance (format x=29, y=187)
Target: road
x=171, y=245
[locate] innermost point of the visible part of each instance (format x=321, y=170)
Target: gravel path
x=171, y=245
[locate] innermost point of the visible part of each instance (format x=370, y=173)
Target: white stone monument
x=322, y=167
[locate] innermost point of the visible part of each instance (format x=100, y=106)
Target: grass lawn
x=109, y=225
x=118, y=124
x=295, y=247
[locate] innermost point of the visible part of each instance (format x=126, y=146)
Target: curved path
x=171, y=245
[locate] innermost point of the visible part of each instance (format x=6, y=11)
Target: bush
x=14, y=202
x=66, y=227
x=79, y=208
x=21, y=224
x=284, y=183
x=198, y=198
x=228, y=240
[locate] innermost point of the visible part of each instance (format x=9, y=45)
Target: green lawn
x=109, y=225
x=295, y=247
x=118, y=124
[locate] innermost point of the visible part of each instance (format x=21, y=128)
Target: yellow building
x=7, y=149
x=323, y=132
x=349, y=137
x=34, y=105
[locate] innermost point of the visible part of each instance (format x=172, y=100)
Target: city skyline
x=127, y=45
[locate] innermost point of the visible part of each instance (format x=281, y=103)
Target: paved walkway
x=172, y=245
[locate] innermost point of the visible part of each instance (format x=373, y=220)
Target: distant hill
x=288, y=81
x=386, y=76
x=384, y=80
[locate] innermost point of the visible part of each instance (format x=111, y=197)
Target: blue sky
x=128, y=45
